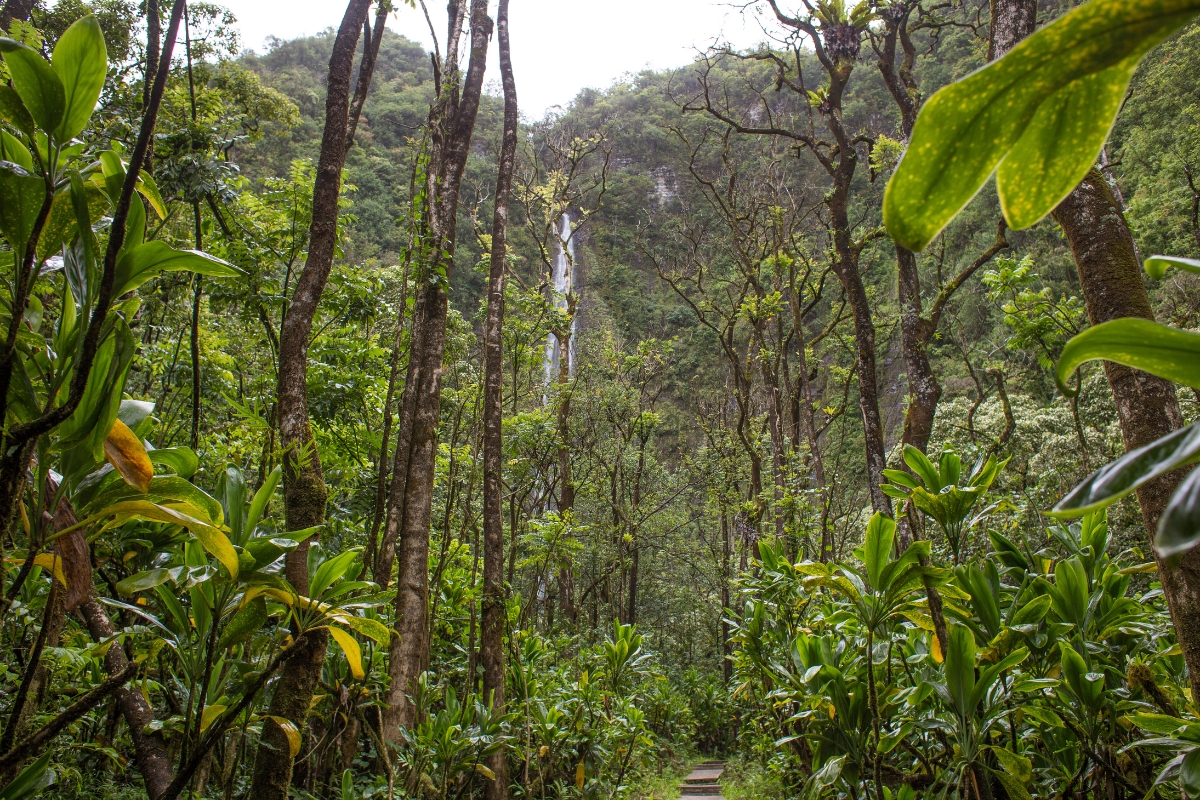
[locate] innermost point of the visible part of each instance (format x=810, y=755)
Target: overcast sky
x=559, y=46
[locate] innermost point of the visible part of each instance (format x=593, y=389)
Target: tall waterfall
x=564, y=283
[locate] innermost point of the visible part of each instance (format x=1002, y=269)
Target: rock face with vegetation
x=364, y=437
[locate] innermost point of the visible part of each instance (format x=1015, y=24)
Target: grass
x=748, y=780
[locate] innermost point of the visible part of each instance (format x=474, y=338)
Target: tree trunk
x=452, y=123
x=304, y=485
x=153, y=52
x=492, y=632
x=151, y=752
x=1111, y=279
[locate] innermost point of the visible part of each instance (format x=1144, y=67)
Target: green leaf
x=967, y=130
x=31, y=782
x=258, y=506
x=1017, y=766
x=331, y=570
x=1061, y=144
x=146, y=261
x=1157, y=723
x=876, y=550
x=919, y=463
x=81, y=61
x=1179, y=525
x=1034, y=611
x=143, y=581
x=182, y=460
x=1156, y=266
x=40, y=88
x=245, y=622
x=13, y=110
x=960, y=668
x=1139, y=343
x=373, y=629
x=1012, y=786
x=1113, y=481
x=1189, y=774
x=21, y=198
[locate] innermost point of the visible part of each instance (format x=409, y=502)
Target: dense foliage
x=774, y=488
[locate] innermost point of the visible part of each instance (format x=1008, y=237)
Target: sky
x=559, y=46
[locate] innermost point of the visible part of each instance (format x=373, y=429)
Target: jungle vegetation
x=364, y=436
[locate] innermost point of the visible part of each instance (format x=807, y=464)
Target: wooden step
x=700, y=789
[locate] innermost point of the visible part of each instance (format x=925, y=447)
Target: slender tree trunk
x=149, y=748
x=566, y=493
x=452, y=123
x=153, y=52
x=1113, y=287
x=846, y=266
x=726, y=578
x=304, y=485
x=492, y=632
x=197, y=296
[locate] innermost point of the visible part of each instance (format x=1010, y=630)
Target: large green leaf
x=1061, y=144
x=183, y=460
x=13, y=111
x=146, y=261
x=21, y=198
x=960, y=668
x=1179, y=525
x=1139, y=343
x=1113, y=481
x=81, y=62
x=1156, y=266
x=966, y=130
x=39, y=86
x=1189, y=774
x=876, y=548
x=248, y=620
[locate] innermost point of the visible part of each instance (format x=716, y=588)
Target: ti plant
x=943, y=493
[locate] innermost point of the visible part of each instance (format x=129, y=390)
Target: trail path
x=703, y=782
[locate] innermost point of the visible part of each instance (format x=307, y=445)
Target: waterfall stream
x=564, y=281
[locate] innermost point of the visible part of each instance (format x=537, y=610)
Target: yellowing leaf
x=580, y=774
x=485, y=772
x=46, y=561
x=209, y=716
x=935, y=649
x=290, y=731
x=353, y=652
x=125, y=451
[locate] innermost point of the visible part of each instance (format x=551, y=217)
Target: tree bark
x=151, y=752
x=492, y=632
x=451, y=125
x=15, y=9
x=1113, y=287
x=305, y=493
x=1111, y=279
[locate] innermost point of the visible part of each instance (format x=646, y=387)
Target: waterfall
x=564, y=281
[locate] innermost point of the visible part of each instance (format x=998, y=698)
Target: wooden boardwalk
x=703, y=782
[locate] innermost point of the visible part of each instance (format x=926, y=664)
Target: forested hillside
x=824, y=408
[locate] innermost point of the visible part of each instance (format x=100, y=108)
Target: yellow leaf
x=210, y=715
x=935, y=648
x=485, y=772
x=543, y=750
x=290, y=731
x=579, y=775
x=125, y=451
x=353, y=652
x=53, y=563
